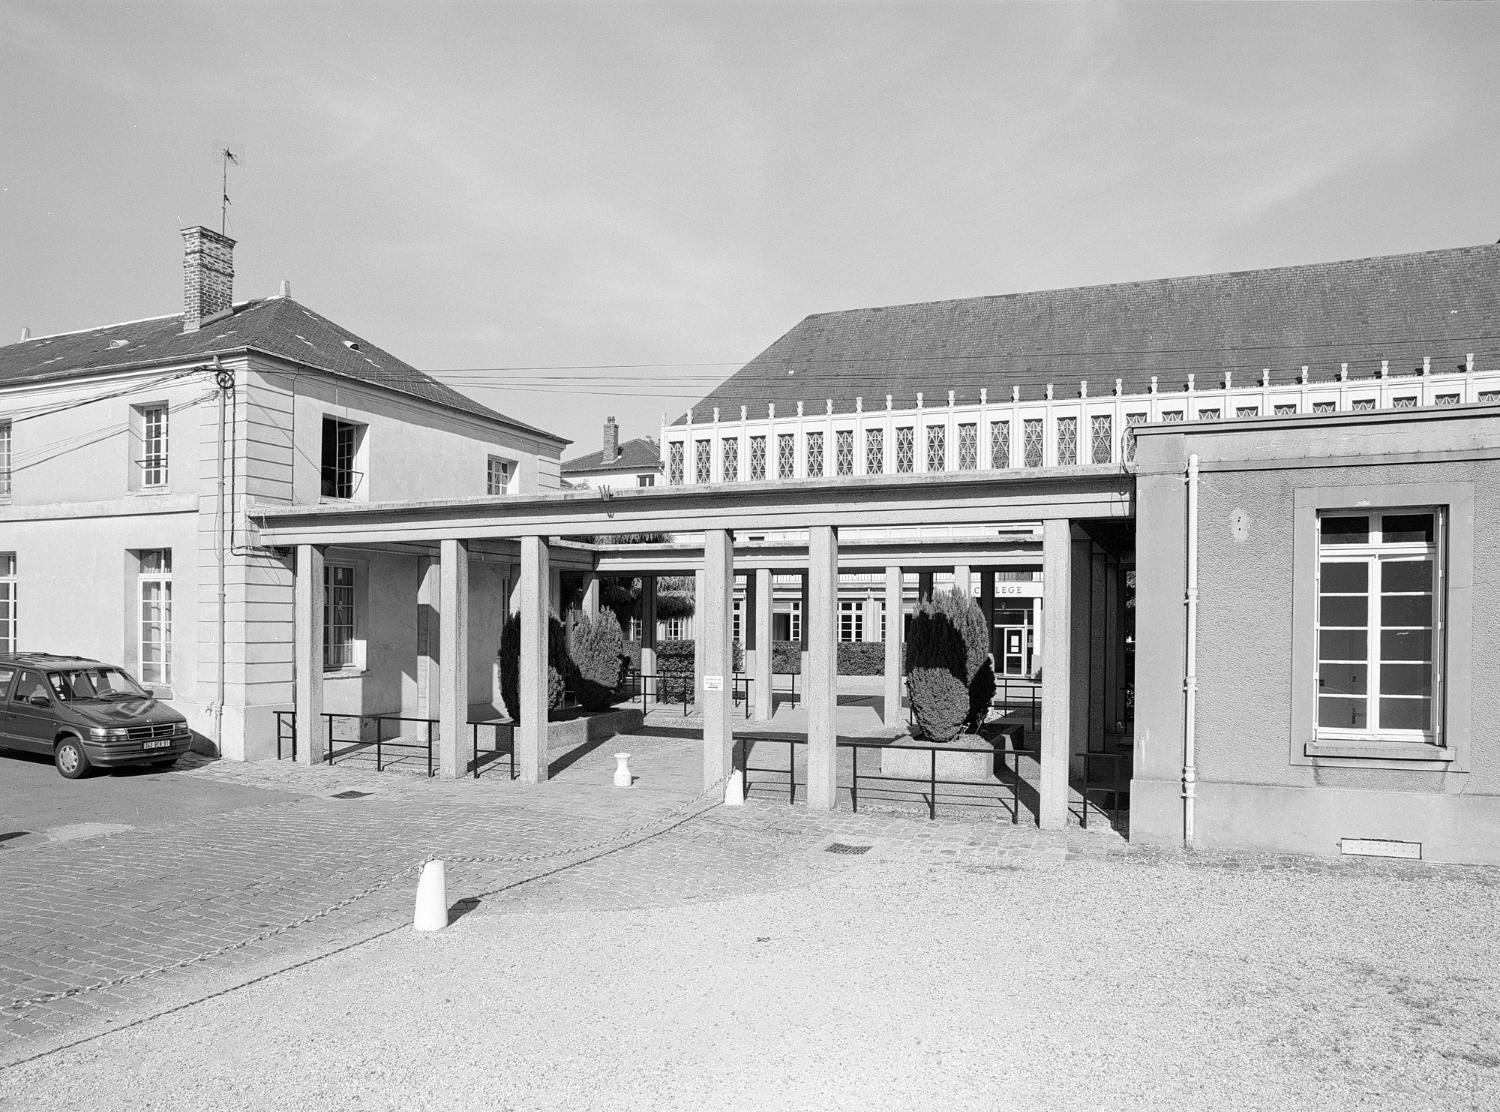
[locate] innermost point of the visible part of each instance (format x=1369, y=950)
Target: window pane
x=1342, y=644
x=1338, y=713
x=1405, y=714
x=1405, y=679
x=1406, y=644
x=1345, y=530
x=1343, y=610
x=1343, y=679
x=1344, y=578
x=1407, y=528
x=1405, y=610
x=1406, y=575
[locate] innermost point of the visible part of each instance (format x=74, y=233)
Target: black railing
x=647, y=686
x=1114, y=786
x=286, y=739
x=286, y=731
x=510, y=731
x=931, y=780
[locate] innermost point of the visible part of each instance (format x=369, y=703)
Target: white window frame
x=499, y=474
x=5, y=434
x=852, y=620
x=154, y=628
x=1453, y=711
x=155, y=445
x=1375, y=555
x=8, y=593
x=340, y=656
x=357, y=455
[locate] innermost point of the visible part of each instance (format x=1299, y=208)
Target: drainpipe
x=1190, y=675
x=224, y=379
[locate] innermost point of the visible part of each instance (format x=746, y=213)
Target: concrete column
x=820, y=689
x=648, y=625
x=591, y=593
x=1082, y=611
x=427, y=636
x=924, y=586
x=555, y=591
x=1114, y=636
x=715, y=639
x=307, y=646
x=765, y=652
x=894, y=627
x=872, y=613
x=513, y=604
x=537, y=579
x=1057, y=669
x=962, y=579
x=698, y=659
x=1098, y=641
x=802, y=656
x=453, y=653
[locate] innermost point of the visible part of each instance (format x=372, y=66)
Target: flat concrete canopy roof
x=1071, y=493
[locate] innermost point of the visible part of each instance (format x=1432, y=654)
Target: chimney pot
x=286, y=288
x=207, y=277
x=611, y=440
x=25, y=333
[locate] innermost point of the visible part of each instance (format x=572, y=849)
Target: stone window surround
x=1456, y=500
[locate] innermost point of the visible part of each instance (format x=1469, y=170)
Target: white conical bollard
x=734, y=790
x=432, y=898
x=622, y=770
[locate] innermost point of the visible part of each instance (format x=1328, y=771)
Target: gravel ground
x=894, y=980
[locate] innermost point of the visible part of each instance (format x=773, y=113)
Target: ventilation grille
x=840, y=847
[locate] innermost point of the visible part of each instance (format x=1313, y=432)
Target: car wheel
x=70, y=758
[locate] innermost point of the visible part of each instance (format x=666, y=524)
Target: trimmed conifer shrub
x=945, y=654
x=597, y=650
x=510, y=664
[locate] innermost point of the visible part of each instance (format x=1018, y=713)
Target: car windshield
x=94, y=683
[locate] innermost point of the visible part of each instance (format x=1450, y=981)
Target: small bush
x=945, y=653
x=786, y=658
x=510, y=664
x=861, y=658
x=597, y=652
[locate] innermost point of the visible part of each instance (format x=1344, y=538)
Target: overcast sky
x=503, y=189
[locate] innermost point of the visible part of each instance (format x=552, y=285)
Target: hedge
x=861, y=658
x=510, y=663
x=596, y=648
x=946, y=665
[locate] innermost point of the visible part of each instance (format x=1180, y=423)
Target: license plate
x=162, y=744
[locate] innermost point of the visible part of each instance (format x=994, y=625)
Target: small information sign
x=713, y=683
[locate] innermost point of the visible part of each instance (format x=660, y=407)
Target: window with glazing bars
x=937, y=448
x=338, y=616
x=1379, y=624
x=757, y=458
x=4, y=459
x=156, y=616
x=731, y=459
x=703, y=463
x=1103, y=437
x=153, y=445
x=674, y=464
x=843, y=449
x=874, y=451
x=1127, y=438
x=906, y=455
x=1033, y=450
x=786, y=455
x=999, y=444
x=340, y=444
x=7, y=602
x=814, y=455
x=968, y=447
x=497, y=476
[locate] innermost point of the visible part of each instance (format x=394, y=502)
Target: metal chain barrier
x=676, y=817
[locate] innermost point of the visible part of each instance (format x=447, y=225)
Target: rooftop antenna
x=225, y=156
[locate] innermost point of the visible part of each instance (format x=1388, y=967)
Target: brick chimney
x=207, y=277
x=611, y=440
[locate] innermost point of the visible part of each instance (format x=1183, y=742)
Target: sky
x=577, y=210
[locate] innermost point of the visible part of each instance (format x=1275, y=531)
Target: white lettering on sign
x=1380, y=847
x=713, y=683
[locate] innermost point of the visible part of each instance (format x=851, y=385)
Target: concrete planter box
x=583, y=727
x=977, y=767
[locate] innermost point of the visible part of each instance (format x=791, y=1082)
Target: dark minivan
x=85, y=714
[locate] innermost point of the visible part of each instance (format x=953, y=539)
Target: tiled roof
x=275, y=326
x=1444, y=304
x=641, y=454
